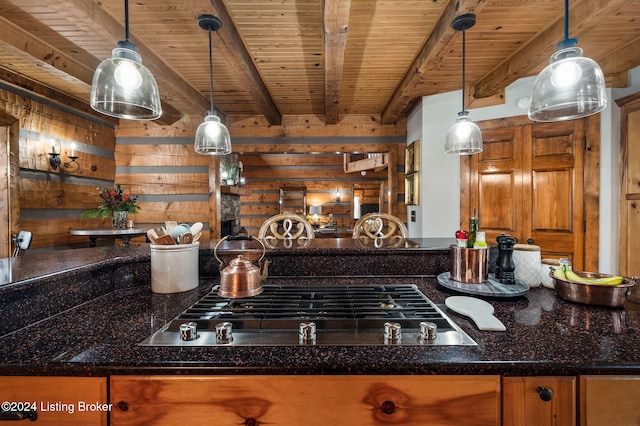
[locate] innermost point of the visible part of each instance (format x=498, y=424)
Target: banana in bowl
x=592, y=288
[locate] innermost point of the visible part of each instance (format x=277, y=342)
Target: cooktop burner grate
x=336, y=312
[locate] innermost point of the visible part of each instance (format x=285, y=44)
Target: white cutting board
x=478, y=310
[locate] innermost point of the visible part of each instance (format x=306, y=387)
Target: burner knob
x=188, y=331
x=428, y=331
x=224, y=334
x=392, y=332
x=307, y=333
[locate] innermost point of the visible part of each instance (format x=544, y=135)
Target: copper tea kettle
x=241, y=278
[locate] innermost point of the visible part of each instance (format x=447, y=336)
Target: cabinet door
x=529, y=183
x=59, y=400
x=630, y=190
x=524, y=401
x=306, y=400
x=609, y=400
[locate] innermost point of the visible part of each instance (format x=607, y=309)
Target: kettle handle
x=230, y=238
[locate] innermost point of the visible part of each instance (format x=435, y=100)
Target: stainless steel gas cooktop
x=324, y=316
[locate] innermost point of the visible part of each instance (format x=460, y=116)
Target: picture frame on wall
x=412, y=190
x=412, y=158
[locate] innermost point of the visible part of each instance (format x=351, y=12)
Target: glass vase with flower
x=117, y=204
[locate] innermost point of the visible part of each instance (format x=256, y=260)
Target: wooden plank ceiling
x=329, y=58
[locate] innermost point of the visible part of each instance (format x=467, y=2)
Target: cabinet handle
x=123, y=405
x=388, y=407
x=546, y=394
x=530, y=241
x=250, y=422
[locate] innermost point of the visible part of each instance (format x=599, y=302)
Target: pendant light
x=212, y=137
x=464, y=137
x=124, y=88
x=571, y=86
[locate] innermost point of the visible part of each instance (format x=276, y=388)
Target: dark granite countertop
x=100, y=306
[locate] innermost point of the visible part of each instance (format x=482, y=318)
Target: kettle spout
x=265, y=270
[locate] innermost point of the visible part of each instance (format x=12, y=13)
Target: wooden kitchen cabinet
x=609, y=400
x=305, y=400
x=526, y=401
x=59, y=400
x=529, y=182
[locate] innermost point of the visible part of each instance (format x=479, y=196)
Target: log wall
x=50, y=202
x=162, y=165
x=173, y=182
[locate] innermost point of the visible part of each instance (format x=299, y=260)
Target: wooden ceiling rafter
x=435, y=47
x=532, y=57
x=336, y=28
x=237, y=57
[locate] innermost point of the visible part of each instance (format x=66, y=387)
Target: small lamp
x=464, y=137
x=212, y=137
x=337, y=195
x=570, y=87
x=124, y=88
x=314, y=211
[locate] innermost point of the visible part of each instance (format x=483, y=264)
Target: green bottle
x=473, y=228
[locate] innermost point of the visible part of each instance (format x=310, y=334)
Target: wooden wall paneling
x=171, y=180
x=9, y=185
x=215, y=230
x=5, y=224
x=53, y=200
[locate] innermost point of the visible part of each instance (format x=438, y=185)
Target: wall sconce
x=55, y=157
x=337, y=195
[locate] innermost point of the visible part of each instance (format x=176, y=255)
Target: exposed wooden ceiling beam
x=405, y=94
x=616, y=65
x=44, y=56
x=336, y=27
x=232, y=49
x=534, y=56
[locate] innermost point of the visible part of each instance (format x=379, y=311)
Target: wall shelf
x=234, y=190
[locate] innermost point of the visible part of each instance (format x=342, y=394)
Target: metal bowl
x=594, y=294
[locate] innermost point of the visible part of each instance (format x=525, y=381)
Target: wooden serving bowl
x=611, y=296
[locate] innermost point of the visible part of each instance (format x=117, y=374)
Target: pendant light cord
x=463, y=67
x=567, y=42
x=211, y=72
x=126, y=20
x=566, y=20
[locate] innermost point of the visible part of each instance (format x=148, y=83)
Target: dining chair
x=286, y=227
x=380, y=225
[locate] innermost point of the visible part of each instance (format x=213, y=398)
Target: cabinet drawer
x=308, y=400
x=59, y=400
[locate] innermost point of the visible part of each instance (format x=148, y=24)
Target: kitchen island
x=86, y=314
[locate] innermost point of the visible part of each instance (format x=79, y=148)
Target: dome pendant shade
x=464, y=137
x=212, y=137
x=570, y=87
x=123, y=88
